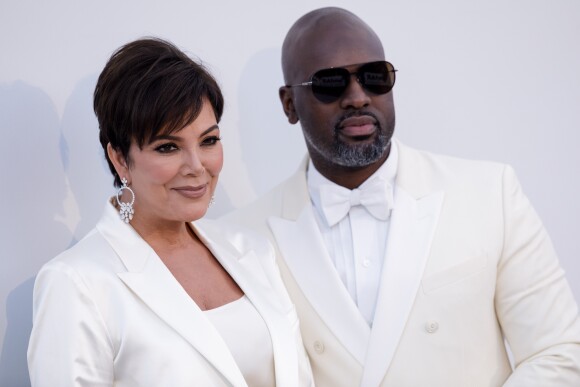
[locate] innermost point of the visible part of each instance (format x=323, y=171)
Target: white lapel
x=154, y=284
x=303, y=250
x=413, y=224
x=246, y=269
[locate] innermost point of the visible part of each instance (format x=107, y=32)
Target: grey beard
x=348, y=155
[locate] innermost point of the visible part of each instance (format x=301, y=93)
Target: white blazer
x=467, y=263
x=107, y=312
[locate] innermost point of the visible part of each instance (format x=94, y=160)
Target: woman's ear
x=118, y=161
x=286, y=97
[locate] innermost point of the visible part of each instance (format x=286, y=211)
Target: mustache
x=356, y=114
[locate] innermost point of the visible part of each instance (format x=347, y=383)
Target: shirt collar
x=388, y=171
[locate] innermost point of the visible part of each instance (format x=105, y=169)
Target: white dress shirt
x=357, y=243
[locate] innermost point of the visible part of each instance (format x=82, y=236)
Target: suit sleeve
x=534, y=303
x=69, y=345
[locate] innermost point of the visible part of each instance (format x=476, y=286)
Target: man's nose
x=355, y=96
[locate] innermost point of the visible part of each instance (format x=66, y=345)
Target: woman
x=149, y=298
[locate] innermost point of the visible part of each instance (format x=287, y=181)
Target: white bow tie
x=376, y=197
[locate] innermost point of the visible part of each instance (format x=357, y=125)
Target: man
x=429, y=262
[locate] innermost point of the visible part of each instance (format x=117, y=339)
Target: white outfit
x=467, y=265
x=247, y=338
x=108, y=312
x=357, y=243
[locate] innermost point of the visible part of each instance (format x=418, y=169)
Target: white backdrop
x=489, y=79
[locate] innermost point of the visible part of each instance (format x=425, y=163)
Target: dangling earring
x=211, y=201
x=126, y=210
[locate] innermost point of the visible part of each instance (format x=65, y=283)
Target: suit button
x=432, y=326
x=318, y=347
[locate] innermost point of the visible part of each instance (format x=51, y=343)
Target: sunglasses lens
x=329, y=84
x=377, y=77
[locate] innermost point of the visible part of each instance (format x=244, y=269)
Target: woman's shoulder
x=91, y=254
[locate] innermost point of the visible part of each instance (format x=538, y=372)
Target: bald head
x=320, y=37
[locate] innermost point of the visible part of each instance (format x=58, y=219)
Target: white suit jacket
x=107, y=312
x=467, y=264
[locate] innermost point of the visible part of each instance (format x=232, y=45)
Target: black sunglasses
x=329, y=84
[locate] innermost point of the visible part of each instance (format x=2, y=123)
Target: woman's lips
x=192, y=192
x=357, y=126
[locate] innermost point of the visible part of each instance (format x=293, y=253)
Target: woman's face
x=174, y=176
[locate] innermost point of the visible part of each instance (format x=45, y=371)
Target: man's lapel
x=413, y=225
x=303, y=250
x=151, y=281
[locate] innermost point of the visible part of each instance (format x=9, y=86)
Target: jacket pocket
x=454, y=273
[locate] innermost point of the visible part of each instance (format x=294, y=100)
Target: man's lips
x=357, y=126
x=192, y=192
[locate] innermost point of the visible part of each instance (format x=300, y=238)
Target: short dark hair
x=150, y=87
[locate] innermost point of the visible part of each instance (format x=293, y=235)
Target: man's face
x=355, y=130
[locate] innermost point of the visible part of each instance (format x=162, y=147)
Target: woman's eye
x=212, y=140
x=166, y=148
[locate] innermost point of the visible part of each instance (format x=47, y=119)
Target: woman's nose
x=193, y=164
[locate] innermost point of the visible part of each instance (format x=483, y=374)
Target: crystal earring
x=126, y=210
x=211, y=201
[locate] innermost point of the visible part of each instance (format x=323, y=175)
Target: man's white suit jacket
x=109, y=312
x=468, y=263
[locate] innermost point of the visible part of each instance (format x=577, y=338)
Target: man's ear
x=118, y=161
x=286, y=97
